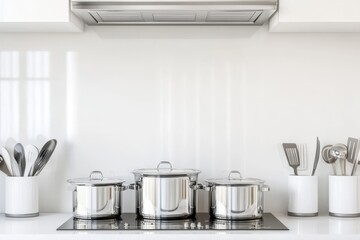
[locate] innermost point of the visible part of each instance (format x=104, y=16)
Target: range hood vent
x=175, y=17
x=116, y=16
x=174, y=12
x=233, y=16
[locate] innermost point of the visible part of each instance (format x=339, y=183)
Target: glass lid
x=234, y=180
x=96, y=179
x=165, y=171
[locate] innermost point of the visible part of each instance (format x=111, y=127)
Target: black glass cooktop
x=130, y=221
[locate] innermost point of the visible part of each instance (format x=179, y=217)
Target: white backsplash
x=212, y=98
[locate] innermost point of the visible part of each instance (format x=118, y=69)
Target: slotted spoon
x=292, y=155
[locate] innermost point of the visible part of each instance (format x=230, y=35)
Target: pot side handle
x=265, y=188
x=201, y=186
x=133, y=186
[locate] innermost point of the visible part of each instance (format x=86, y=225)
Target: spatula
x=353, y=171
x=353, y=150
x=302, y=156
x=292, y=155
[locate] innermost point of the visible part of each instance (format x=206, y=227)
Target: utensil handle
x=15, y=168
x=356, y=161
x=317, y=155
x=295, y=171
x=341, y=168
x=31, y=171
x=334, y=169
x=353, y=171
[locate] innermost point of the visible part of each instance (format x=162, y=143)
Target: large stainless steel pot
x=165, y=193
x=97, y=197
x=236, y=198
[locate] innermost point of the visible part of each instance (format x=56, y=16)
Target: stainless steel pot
x=165, y=193
x=236, y=198
x=97, y=197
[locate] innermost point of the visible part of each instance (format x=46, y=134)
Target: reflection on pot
x=106, y=224
x=165, y=224
x=239, y=224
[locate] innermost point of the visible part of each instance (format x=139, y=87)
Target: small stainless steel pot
x=97, y=197
x=165, y=193
x=236, y=198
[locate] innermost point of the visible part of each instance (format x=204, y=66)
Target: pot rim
x=165, y=172
x=231, y=181
x=96, y=181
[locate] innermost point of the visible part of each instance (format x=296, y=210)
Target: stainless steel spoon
x=339, y=151
x=3, y=166
x=8, y=152
x=19, y=155
x=325, y=153
x=43, y=157
x=7, y=159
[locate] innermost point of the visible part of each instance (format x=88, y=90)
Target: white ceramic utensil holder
x=302, y=196
x=344, y=199
x=21, y=197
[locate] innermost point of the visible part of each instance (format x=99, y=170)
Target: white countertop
x=44, y=227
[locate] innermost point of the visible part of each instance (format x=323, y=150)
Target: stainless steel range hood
x=174, y=12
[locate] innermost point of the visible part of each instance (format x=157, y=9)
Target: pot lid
x=96, y=179
x=235, y=181
x=165, y=171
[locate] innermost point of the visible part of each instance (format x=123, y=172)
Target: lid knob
x=163, y=163
x=235, y=178
x=93, y=174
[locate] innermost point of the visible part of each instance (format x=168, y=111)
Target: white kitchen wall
x=212, y=98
